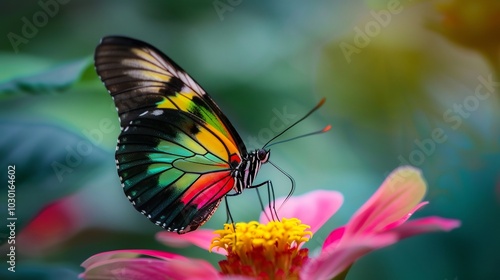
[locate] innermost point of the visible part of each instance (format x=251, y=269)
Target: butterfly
x=177, y=155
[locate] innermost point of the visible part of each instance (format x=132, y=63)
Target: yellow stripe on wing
x=184, y=101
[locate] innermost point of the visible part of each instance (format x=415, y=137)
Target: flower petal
x=335, y=259
x=401, y=192
x=145, y=264
x=334, y=237
x=406, y=217
x=313, y=208
x=129, y=254
x=56, y=223
x=424, y=225
x=200, y=237
x=130, y=269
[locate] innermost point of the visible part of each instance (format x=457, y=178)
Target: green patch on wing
x=175, y=149
x=201, y=164
x=208, y=116
x=168, y=177
x=187, y=142
x=165, y=179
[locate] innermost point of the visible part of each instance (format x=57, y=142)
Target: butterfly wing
x=139, y=77
x=176, y=148
x=173, y=168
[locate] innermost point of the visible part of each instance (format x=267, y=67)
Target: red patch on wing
x=208, y=188
x=234, y=158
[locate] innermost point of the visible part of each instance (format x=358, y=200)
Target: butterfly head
x=263, y=155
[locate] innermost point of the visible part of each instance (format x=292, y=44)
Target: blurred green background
x=406, y=82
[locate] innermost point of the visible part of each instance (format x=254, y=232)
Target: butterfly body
x=177, y=155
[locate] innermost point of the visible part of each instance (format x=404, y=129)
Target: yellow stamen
x=271, y=249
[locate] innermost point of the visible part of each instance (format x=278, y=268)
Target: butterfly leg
x=229, y=217
x=271, y=196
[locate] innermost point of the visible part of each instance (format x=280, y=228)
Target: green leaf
x=49, y=163
x=50, y=80
x=21, y=65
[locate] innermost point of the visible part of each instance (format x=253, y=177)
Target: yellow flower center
x=265, y=251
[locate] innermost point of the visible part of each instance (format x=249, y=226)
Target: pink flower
x=380, y=222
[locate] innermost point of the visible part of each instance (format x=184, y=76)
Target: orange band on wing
x=208, y=188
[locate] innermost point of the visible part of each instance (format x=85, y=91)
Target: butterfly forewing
x=139, y=77
x=176, y=148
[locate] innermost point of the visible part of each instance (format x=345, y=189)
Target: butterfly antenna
x=328, y=127
x=291, y=180
x=320, y=103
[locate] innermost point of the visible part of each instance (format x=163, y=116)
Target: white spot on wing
x=157, y=112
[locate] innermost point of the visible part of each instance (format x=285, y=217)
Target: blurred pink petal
x=130, y=269
x=425, y=225
x=406, y=217
x=335, y=259
x=334, y=237
x=54, y=224
x=403, y=189
x=343, y=253
x=129, y=254
x=380, y=222
x=313, y=208
x=146, y=264
x=200, y=237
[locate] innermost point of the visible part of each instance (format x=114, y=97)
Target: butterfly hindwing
x=176, y=148
x=167, y=173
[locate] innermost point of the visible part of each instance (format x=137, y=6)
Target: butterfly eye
x=263, y=155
